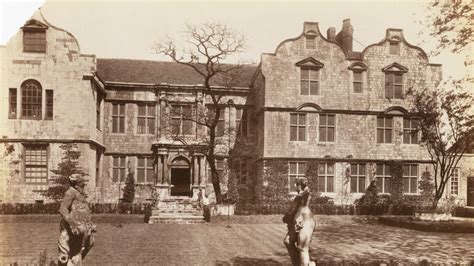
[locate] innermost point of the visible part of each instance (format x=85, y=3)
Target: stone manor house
x=312, y=104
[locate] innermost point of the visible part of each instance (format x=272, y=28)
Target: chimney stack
x=344, y=37
x=331, y=34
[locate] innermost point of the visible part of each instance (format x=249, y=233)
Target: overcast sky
x=126, y=29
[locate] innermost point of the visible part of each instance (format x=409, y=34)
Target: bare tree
x=447, y=130
x=208, y=46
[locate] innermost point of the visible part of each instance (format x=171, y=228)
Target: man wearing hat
x=76, y=228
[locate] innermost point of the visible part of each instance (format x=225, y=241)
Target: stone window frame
x=394, y=81
x=242, y=121
x=34, y=37
x=12, y=103
x=299, y=126
x=147, y=168
x=357, y=176
x=310, y=40
x=119, y=166
x=394, y=46
x=384, y=176
x=359, y=68
x=98, y=108
x=384, y=128
x=49, y=102
x=36, y=156
x=148, y=117
x=410, y=178
x=31, y=100
x=326, y=128
x=221, y=124
x=314, y=65
x=300, y=167
x=410, y=130
x=454, y=184
x=119, y=118
x=324, y=175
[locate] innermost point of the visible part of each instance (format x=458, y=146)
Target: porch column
x=159, y=169
x=202, y=170
x=165, y=169
x=195, y=171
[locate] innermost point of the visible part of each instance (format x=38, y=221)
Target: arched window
x=31, y=99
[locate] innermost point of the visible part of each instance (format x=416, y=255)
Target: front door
x=181, y=181
x=470, y=191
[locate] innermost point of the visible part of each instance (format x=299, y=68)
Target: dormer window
x=309, y=76
x=310, y=41
x=34, y=37
x=394, y=81
x=358, y=69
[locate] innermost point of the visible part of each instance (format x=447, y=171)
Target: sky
x=126, y=29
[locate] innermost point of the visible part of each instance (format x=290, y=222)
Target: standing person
x=300, y=223
x=76, y=228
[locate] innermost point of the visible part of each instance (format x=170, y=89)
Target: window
x=410, y=130
x=394, y=85
x=97, y=109
x=118, y=118
x=326, y=177
x=310, y=41
x=410, y=178
x=455, y=182
x=146, y=119
x=220, y=167
x=297, y=127
x=327, y=127
x=395, y=47
x=34, y=40
x=181, y=120
x=49, y=104
x=241, y=121
x=118, y=169
x=296, y=170
x=31, y=98
x=384, y=129
x=240, y=167
x=36, y=163
x=145, y=170
x=358, y=178
x=12, y=103
x=384, y=179
x=98, y=155
x=220, y=128
x=309, y=81
x=357, y=81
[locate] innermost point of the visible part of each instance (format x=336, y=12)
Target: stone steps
x=180, y=210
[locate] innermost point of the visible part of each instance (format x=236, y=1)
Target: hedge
x=464, y=212
x=53, y=208
x=428, y=226
x=320, y=208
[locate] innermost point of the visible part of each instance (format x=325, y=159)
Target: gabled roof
x=35, y=24
x=309, y=62
x=160, y=72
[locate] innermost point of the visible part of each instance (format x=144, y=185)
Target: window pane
x=380, y=122
x=357, y=76
x=151, y=110
x=150, y=178
x=388, y=136
x=354, y=184
x=331, y=120
x=388, y=122
x=304, y=73
x=151, y=125
x=122, y=109
x=322, y=120
x=398, y=79
x=141, y=110
x=301, y=168
x=141, y=162
x=388, y=91
x=414, y=170
x=406, y=136
x=380, y=136
x=304, y=88
x=406, y=170
x=321, y=169
x=379, y=170
x=293, y=119
x=115, y=175
x=330, y=187
x=387, y=187
x=321, y=184
x=406, y=185
x=414, y=137
x=314, y=90
x=114, y=109
x=188, y=127
x=330, y=135
x=140, y=175
x=175, y=126
x=292, y=183
x=141, y=125
x=301, y=134
x=414, y=185
x=302, y=119
x=398, y=92
x=361, y=184
x=293, y=169
x=357, y=87
x=122, y=125
x=293, y=133
x=330, y=170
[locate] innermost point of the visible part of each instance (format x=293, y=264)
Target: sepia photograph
x=268, y=132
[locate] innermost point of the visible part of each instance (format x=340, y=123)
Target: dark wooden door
x=470, y=191
x=181, y=181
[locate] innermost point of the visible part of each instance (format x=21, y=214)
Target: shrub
x=129, y=189
x=464, y=212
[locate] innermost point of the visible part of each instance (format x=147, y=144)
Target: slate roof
x=156, y=72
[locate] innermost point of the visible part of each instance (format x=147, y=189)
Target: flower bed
x=451, y=226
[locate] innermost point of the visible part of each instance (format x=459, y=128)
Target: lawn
x=251, y=240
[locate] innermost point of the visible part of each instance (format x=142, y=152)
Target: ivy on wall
x=273, y=186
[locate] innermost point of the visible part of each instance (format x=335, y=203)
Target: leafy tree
x=427, y=189
x=447, y=130
x=68, y=166
x=209, y=45
x=129, y=189
x=451, y=23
